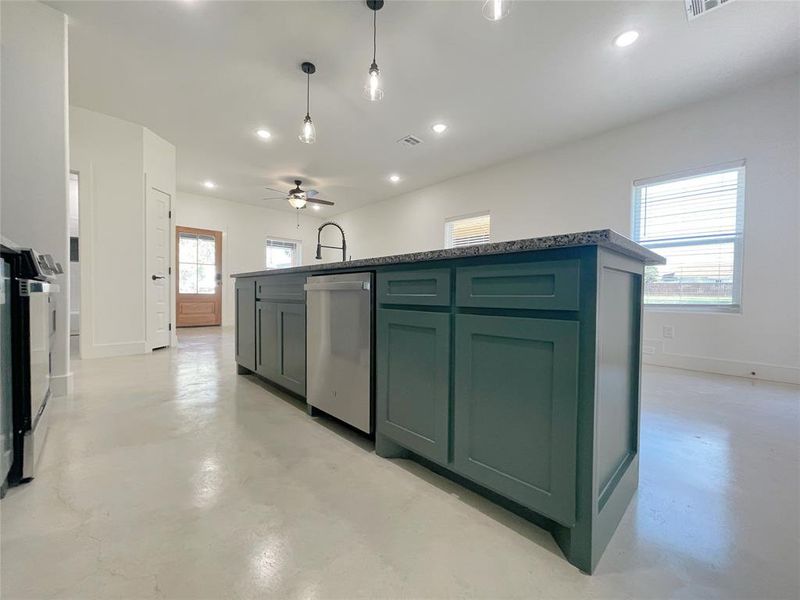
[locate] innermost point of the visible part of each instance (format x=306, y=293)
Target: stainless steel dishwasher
x=339, y=347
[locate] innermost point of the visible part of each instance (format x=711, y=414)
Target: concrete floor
x=169, y=476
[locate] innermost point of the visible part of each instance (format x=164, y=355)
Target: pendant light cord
x=374, y=33
x=308, y=94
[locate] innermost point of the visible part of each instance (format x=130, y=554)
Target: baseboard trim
x=755, y=370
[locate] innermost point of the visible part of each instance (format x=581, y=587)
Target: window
x=466, y=231
x=197, y=268
x=281, y=254
x=694, y=220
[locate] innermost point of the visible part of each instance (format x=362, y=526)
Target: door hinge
x=170, y=326
x=170, y=214
x=169, y=270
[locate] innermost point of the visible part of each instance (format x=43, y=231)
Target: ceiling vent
x=695, y=8
x=409, y=141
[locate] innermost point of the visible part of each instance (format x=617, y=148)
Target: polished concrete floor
x=169, y=476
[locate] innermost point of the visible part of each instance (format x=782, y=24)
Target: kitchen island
x=511, y=367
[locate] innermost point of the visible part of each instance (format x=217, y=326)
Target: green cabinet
x=266, y=339
x=541, y=285
x=413, y=380
x=281, y=344
x=517, y=373
x=515, y=409
x=425, y=287
x=245, y=341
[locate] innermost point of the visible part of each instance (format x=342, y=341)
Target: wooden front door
x=199, y=298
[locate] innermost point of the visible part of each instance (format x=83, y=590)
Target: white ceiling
x=205, y=75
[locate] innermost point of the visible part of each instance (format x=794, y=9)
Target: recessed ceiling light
x=263, y=134
x=439, y=128
x=209, y=184
x=626, y=38
x=394, y=178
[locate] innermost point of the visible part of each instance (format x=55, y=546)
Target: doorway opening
x=199, y=297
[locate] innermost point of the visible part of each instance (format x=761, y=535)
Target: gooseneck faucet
x=320, y=246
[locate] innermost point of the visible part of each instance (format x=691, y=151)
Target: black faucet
x=343, y=247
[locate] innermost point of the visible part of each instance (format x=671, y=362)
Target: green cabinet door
x=413, y=379
x=267, y=339
x=515, y=409
x=291, y=354
x=246, y=323
x=281, y=344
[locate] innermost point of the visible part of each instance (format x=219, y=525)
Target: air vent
x=409, y=141
x=695, y=8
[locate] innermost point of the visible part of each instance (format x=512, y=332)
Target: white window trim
x=298, y=255
x=448, y=220
x=738, y=259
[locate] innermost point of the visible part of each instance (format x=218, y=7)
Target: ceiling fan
x=298, y=198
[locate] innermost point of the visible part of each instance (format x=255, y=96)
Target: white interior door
x=157, y=264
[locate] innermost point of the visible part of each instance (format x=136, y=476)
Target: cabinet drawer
x=281, y=288
x=430, y=287
x=551, y=285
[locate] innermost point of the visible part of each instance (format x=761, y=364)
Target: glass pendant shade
x=494, y=10
x=297, y=200
x=308, y=134
x=372, y=90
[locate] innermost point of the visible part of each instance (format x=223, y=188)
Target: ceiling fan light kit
x=299, y=198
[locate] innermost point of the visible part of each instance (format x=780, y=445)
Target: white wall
x=587, y=185
x=73, y=230
x=245, y=229
x=34, y=149
x=112, y=158
x=159, y=159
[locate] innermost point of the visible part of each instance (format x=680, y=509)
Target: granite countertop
x=605, y=238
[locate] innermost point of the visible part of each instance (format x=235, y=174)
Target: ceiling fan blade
x=312, y=193
x=276, y=198
x=319, y=201
x=274, y=190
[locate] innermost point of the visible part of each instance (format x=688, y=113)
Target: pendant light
x=494, y=10
x=308, y=134
x=372, y=90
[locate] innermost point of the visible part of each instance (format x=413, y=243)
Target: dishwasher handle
x=337, y=286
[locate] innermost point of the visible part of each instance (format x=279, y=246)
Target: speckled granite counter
x=605, y=238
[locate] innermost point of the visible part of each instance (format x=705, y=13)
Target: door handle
x=154, y=277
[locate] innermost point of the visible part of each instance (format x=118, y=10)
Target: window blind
x=696, y=222
x=467, y=231
x=281, y=254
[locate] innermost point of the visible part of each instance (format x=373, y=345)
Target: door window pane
x=187, y=248
x=206, y=250
x=187, y=278
x=206, y=283
x=197, y=270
